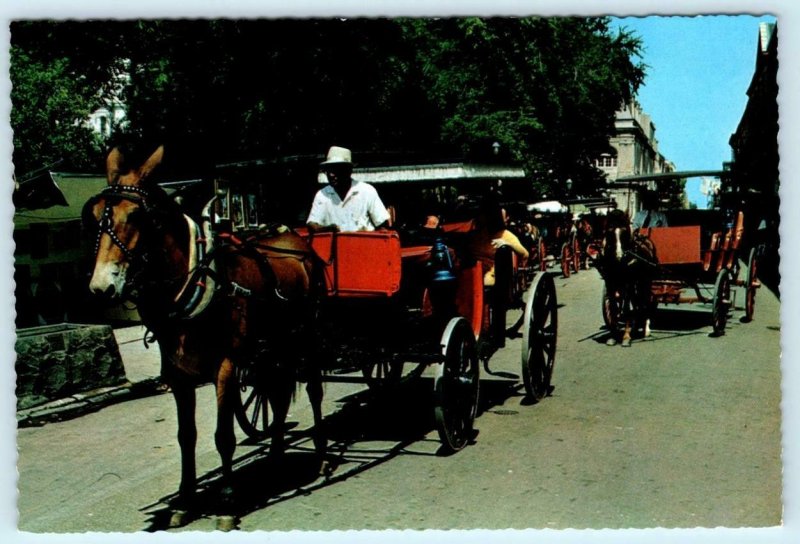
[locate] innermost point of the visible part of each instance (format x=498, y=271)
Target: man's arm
x=378, y=213
x=318, y=219
x=316, y=227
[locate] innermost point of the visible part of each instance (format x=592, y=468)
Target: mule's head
x=118, y=214
x=617, y=237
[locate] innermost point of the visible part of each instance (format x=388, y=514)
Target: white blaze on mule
x=107, y=275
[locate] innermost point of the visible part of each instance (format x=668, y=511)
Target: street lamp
x=496, y=148
x=569, y=185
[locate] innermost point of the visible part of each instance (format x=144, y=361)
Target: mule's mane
x=617, y=219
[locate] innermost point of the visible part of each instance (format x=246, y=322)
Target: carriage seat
x=675, y=245
x=360, y=264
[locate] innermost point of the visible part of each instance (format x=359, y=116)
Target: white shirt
x=361, y=208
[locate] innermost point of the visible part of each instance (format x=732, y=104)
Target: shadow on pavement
x=369, y=428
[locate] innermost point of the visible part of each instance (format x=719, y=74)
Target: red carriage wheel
x=566, y=259
x=456, y=385
x=576, y=255
x=542, y=255
x=539, y=336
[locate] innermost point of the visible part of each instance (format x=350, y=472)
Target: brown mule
x=212, y=305
x=627, y=263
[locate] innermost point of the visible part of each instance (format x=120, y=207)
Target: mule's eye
x=135, y=216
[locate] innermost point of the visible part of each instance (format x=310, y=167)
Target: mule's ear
x=150, y=164
x=113, y=164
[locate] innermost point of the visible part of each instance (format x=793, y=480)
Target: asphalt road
x=681, y=430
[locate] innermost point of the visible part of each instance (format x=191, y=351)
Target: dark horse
x=627, y=263
x=212, y=306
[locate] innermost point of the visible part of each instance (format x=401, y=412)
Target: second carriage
x=698, y=261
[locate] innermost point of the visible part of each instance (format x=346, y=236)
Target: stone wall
x=57, y=361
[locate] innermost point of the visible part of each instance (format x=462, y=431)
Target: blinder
x=112, y=195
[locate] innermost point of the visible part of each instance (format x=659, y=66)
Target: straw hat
x=337, y=155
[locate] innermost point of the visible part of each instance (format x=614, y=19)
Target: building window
x=607, y=161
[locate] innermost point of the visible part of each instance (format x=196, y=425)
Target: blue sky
x=696, y=84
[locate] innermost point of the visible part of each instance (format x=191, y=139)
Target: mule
x=212, y=305
x=627, y=263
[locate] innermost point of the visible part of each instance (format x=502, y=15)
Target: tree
x=545, y=89
x=217, y=91
x=59, y=75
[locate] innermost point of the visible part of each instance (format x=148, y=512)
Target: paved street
x=682, y=430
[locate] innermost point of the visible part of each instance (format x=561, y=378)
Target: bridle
x=199, y=284
x=105, y=225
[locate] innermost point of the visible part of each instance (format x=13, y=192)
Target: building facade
x=754, y=184
x=635, y=152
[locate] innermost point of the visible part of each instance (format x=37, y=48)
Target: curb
x=84, y=403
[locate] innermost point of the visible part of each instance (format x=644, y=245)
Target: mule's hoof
x=326, y=469
x=226, y=523
x=179, y=518
x=611, y=342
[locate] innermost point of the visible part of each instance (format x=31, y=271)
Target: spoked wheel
x=750, y=285
x=566, y=259
x=456, y=385
x=251, y=409
x=612, y=310
x=576, y=255
x=385, y=373
x=542, y=255
x=721, y=301
x=539, y=336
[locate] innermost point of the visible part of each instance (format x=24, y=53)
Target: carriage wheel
x=385, y=373
x=721, y=301
x=456, y=385
x=251, y=405
x=566, y=259
x=611, y=310
x=542, y=255
x=539, y=336
x=576, y=255
x=750, y=285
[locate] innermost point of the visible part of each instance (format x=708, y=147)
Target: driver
x=345, y=204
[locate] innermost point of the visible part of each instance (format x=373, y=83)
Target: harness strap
x=200, y=285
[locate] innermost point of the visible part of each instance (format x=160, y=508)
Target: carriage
x=396, y=303
x=698, y=261
x=590, y=223
x=256, y=307
x=558, y=236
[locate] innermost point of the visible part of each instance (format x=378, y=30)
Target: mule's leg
x=626, y=336
x=184, y=395
x=280, y=386
x=224, y=437
x=314, y=390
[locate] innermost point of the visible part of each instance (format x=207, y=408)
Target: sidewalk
x=142, y=369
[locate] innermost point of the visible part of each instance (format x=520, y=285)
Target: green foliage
x=545, y=89
x=215, y=91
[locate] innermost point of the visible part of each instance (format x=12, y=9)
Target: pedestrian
x=345, y=204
